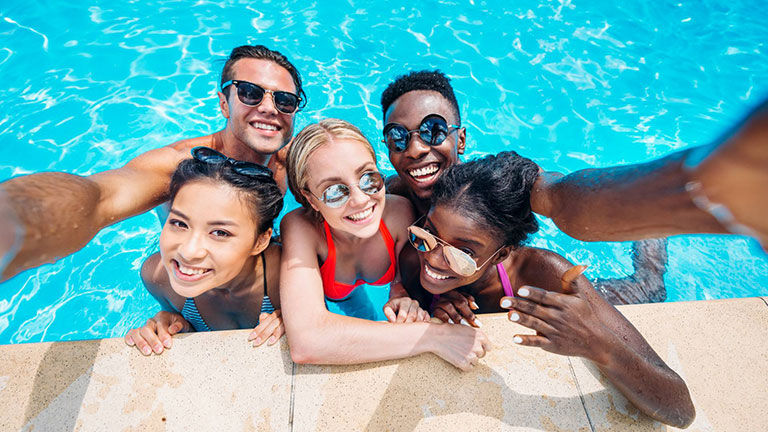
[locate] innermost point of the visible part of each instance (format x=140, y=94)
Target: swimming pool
x=568, y=84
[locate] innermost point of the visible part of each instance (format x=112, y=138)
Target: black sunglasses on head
x=433, y=130
x=211, y=156
x=252, y=94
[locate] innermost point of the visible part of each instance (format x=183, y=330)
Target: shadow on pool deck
x=63, y=366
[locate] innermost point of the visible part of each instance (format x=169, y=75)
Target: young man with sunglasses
x=423, y=135
x=259, y=95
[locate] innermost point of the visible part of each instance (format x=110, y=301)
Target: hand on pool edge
x=404, y=310
x=456, y=307
x=157, y=334
x=269, y=329
x=565, y=323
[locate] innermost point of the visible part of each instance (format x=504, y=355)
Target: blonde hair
x=310, y=139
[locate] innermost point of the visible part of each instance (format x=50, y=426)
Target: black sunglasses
x=252, y=94
x=433, y=130
x=211, y=156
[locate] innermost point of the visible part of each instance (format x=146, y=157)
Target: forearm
x=336, y=339
x=623, y=203
x=56, y=212
x=650, y=385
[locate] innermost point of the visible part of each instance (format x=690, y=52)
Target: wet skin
x=408, y=110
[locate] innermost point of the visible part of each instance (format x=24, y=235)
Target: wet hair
x=306, y=142
x=420, y=80
x=259, y=193
x=495, y=191
x=261, y=52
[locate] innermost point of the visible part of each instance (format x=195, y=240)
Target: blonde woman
x=347, y=233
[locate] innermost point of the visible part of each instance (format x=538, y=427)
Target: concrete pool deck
x=217, y=381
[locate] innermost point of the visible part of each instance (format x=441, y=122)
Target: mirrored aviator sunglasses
x=433, y=130
x=336, y=195
x=253, y=94
x=211, y=156
x=458, y=261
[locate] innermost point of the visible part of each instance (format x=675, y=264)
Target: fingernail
x=517, y=339
x=505, y=303
x=167, y=343
x=271, y=340
x=146, y=350
x=465, y=322
x=257, y=341
x=159, y=348
x=474, y=305
x=451, y=321
x=514, y=317
x=523, y=292
x=477, y=321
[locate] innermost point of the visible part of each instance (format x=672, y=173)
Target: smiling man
x=424, y=137
x=259, y=94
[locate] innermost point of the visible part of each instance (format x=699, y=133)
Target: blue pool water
x=570, y=84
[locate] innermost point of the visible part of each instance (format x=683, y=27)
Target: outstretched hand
x=157, y=334
x=269, y=329
x=564, y=322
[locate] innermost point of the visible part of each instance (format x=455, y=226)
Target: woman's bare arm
x=572, y=319
x=318, y=336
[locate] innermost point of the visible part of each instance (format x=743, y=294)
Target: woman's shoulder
x=398, y=212
x=299, y=220
x=542, y=268
x=300, y=231
x=156, y=280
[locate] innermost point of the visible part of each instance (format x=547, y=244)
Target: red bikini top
x=337, y=290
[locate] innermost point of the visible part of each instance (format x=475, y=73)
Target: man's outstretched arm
x=679, y=194
x=60, y=213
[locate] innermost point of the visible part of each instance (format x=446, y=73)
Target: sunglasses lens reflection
x=335, y=195
x=433, y=130
x=250, y=94
x=286, y=102
x=459, y=261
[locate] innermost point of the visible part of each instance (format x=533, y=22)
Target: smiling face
x=344, y=161
x=420, y=165
x=208, y=237
x=463, y=233
x=261, y=128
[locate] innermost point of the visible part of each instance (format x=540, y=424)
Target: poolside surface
x=217, y=381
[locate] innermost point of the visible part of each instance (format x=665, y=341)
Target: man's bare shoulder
x=398, y=212
x=395, y=186
x=188, y=144
x=165, y=159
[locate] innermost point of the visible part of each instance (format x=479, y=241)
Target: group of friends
x=446, y=237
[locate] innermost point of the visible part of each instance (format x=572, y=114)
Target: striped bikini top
x=191, y=314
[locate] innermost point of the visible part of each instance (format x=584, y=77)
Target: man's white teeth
x=424, y=171
x=361, y=215
x=191, y=271
x=434, y=275
x=264, y=126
